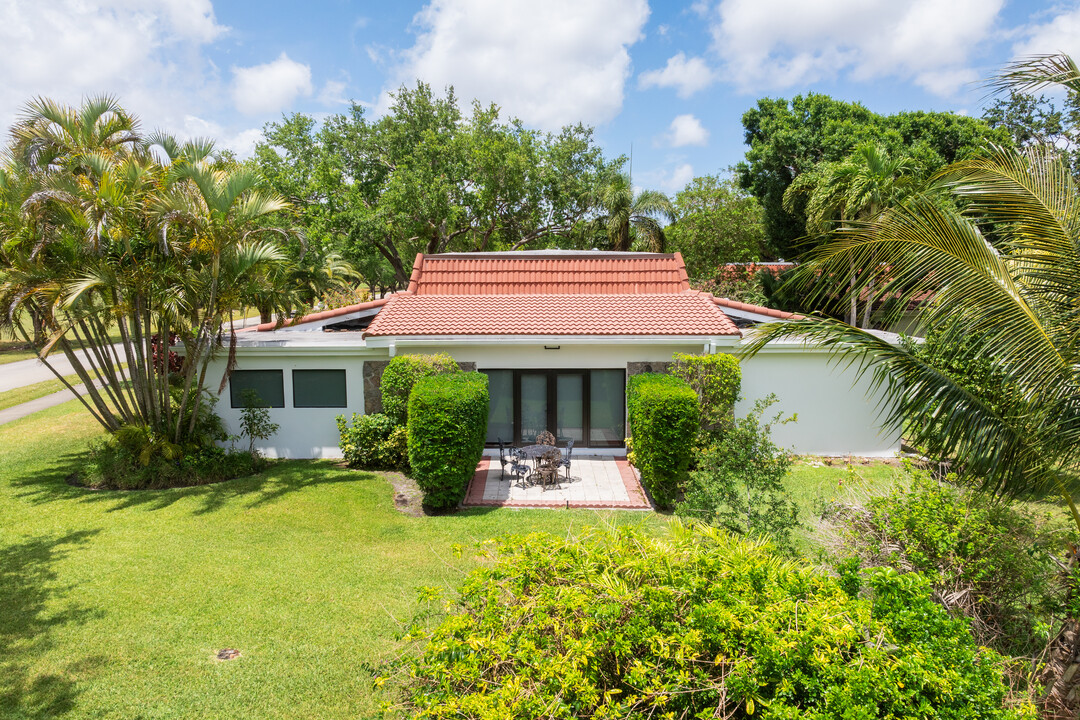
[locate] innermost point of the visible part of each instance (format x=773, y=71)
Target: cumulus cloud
x=776, y=44
x=549, y=63
x=687, y=76
x=686, y=130
x=1061, y=33
x=270, y=87
x=677, y=178
x=333, y=93
x=148, y=53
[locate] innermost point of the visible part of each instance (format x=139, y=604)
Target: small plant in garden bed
x=693, y=623
x=373, y=442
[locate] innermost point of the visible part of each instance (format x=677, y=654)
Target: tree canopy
x=716, y=222
x=789, y=138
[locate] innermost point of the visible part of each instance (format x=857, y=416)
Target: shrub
x=988, y=561
x=738, y=483
x=692, y=624
x=663, y=412
x=447, y=428
x=124, y=464
x=373, y=442
x=402, y=373
x=255, y=420
x=717, y=380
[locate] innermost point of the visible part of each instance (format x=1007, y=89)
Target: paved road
x=28, y=408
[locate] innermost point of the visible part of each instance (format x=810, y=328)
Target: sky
x=665, y=82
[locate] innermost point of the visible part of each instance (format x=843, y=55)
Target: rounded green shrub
x=401, y=374
x=664, y=416
x=372, y=442
x=446, y=430
x=693, y=623
x=717, y=380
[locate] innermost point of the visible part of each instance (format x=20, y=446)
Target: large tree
x=629, y=220
x=715, y=223
x=789, y=138
x=427, y=178
x=1006, y=272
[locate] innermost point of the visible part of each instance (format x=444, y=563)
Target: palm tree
x=856, y=189
x=1006, y=272
x=621, y=210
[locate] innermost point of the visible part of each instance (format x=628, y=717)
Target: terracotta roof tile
x=746, y=307
x=324, y=315
x=555, y=314
x=549, y=274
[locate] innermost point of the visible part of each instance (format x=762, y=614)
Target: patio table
x=535, y=453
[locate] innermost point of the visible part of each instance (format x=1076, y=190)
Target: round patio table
x=534, y=453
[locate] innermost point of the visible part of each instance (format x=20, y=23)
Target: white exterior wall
x=836, y=415
x=304, y=432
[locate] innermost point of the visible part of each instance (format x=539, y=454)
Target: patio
x=595, y=482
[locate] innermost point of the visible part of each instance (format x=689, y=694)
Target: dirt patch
x=407, y=495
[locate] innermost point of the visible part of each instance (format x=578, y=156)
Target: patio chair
x=550, y=463
x=564, y=461
x=545, y=438
x=506, y=458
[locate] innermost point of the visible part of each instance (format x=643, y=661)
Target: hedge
x=693, y=623
x=717, y=380
x=372, y=442
x=664, y=414
x=401, y=374
x=447, y=428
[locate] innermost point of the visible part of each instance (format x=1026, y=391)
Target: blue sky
x=670, y=79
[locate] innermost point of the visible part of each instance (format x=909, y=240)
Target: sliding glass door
x=586, y=406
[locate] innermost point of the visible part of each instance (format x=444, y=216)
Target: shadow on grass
x=30, y=610
x=276, y=482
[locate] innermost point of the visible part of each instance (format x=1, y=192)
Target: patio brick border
x=474, y=497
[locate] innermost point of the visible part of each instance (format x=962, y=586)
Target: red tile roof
x=746, y=307
x=324, y=315
x=687, y=313
x=548, y=273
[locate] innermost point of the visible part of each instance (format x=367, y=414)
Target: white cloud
x=774, y=44
x=270, y=87
x=148, y=53
x=678, y=178
x=242, y=142
x=549, y=63
x=686, y=130
x=333, y=93
x=1060, y=34
x=686, y=75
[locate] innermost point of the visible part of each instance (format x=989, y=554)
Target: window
x=267, y=384
x=319, y=388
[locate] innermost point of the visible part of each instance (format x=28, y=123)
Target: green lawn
x=113, y=604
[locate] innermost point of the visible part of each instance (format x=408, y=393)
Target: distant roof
x=549, y=272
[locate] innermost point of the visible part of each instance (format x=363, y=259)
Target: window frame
x=344, y=388
x=236, y=403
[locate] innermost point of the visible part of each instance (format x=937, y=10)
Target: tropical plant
x=105, y=231
x=621, y=211
x=1006, y=272
x=255, y=423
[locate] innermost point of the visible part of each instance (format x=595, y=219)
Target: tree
x=147, y=235
x=788, y=138
x=1006, y=272
x=624, y=215
x=858, y=188
x=425, y=178
x=715, y=223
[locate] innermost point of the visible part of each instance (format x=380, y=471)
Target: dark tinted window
x=319, y=388
x=267, y=384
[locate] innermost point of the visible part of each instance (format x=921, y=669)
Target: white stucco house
x=557, y=332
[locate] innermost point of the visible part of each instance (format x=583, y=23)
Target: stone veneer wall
x=373, y=370
x=636, y=368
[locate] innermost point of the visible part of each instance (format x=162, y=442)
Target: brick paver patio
x=595, y=482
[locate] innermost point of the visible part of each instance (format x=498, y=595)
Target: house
x=557, y=332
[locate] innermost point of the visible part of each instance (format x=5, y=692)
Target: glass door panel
x=500, y=406
x=607, y=398
x=570, y=407
x=534, y=406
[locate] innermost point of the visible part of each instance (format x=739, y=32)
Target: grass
x=32, y=392
x=112, y=605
